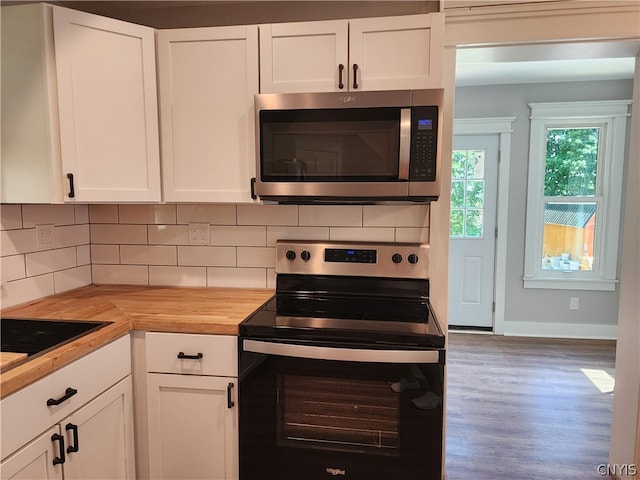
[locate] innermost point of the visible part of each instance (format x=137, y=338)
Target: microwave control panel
x=424, y=134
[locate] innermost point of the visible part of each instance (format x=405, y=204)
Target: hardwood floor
x=522, y=409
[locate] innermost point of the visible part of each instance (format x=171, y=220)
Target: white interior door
x=474, y=181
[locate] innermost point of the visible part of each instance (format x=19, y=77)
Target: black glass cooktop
x=35, y=337
x=379, y=324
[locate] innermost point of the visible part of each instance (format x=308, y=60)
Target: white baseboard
x=561, y=330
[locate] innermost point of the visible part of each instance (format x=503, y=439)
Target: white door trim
x=501, y=126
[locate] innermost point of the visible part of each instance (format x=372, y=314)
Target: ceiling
x=568, y=62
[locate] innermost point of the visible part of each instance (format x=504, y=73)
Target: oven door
x=313, y=412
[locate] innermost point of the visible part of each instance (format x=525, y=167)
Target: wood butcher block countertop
x=154, y=309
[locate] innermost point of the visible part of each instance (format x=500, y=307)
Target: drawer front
x=195, y=354
x=25, y=413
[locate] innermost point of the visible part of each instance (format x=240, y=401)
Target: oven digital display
x=350, y=255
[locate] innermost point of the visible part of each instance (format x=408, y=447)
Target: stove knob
x=396, y=258
x=413, y=259
x=305, y=255
x=291, y=255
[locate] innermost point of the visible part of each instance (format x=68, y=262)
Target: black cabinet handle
x=340, y=70
x=253, y=188
x=355, y=75
x=182, y=355
x=230, y=402
x=68, y=393
x=75, y=447
x=72, y=192
x=58, y=438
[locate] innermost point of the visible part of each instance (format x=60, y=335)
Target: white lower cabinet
x=192, y=411
x=87, y=435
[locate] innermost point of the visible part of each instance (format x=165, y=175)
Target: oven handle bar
x=341, y=354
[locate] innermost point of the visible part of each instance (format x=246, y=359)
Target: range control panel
x=391, y=260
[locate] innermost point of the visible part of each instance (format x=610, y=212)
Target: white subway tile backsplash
x=396, y=216
x=200, y=255
x=267, y=215
x=362, y=234
x=81, y=214
x=148, y=255
x=120, y=274
x=168, y=234
x=296, y=233
x=256, y=257
x=213, y=214
x=10, y=217
x=239, y=236
x=331, y=215
x=105, y=254
x=119, y=234
x=149, y=214
x=412, y=235
x=33, y=215
x=26, y=289
x=149, y=244
x=12, y=268
x=103, y=213
x=236, y=277
x=178, y=276
x=71, y=235
x=65, y=280
x=49, y=261
x=271, y=278
x=13, y=242
x=83, y=255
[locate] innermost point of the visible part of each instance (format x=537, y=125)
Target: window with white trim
x=576, y=162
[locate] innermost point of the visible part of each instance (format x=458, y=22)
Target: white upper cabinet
x=207, y=81
x=304, y=56
x=108, y=107
x=78, y=98
x=384, y=53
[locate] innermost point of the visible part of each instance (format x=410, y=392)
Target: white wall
x=534, y=311
x=625, y=429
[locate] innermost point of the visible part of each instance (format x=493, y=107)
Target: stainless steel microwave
x=349, y=147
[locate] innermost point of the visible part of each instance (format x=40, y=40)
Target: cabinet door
x=208, y=77
x=303, y=57
x=107, y=107
x=102, y=431
x=396, y=52
x=193, y=432
x=35, y=460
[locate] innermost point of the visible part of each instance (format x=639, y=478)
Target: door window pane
x=569, y=233
x=571, y=162
x=467, y=194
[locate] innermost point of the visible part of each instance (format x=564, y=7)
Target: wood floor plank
x=522, y=408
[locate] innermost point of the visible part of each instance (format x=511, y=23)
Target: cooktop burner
x=38, y=336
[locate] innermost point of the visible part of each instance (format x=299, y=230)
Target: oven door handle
x=341, y=354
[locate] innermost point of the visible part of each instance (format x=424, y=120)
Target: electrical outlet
x=199, y=233
x=574, y=303
x=44, y=236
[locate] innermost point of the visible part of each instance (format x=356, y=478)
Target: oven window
x=337, y=414
x=330, y=145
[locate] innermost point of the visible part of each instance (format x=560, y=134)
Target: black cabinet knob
x=413, y=259
x=396, y=258
x=291, y=255
x=305, y=255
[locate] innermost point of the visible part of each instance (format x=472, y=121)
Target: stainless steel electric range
x=341, y=372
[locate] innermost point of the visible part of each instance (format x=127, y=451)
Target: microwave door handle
x=405, y=144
